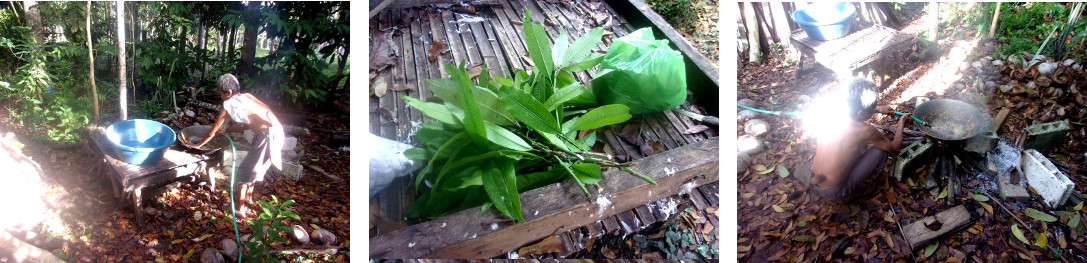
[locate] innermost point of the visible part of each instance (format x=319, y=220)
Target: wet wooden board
x=951, y=220
x=561, y=207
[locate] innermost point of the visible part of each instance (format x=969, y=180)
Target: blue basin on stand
x=826, y=21
x=139, y=141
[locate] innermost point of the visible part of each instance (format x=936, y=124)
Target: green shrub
x=679, y=13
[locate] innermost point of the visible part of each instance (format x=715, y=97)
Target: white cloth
x=238, y=107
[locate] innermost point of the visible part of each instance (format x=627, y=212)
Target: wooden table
x=866, y=44
x=133, y=182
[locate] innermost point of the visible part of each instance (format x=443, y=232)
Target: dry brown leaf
x=436, y=49
x=380, y=86
x=550, y=244
x=475, y=70
x=696, y=129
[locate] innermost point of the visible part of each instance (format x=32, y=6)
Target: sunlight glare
x=827, y=116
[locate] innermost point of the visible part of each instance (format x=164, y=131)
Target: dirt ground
x=779, y=221
x=87, y=224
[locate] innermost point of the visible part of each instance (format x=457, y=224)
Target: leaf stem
x=639, y=175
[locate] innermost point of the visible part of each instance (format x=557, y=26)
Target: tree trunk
x=887, y=11
x=752, y=32
x=249, y=46
x=34, y=20
x=781, y=26
x=230, y=44
x=90, y=53
x=996, y=17
x=203, y=47
x=121, y=85
x=934, y=20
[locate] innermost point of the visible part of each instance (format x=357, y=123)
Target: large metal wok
x=194, y=134
x=950, y=120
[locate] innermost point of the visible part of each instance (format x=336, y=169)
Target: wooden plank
x=610, y=224
x=400, y=4
x=562, y=207
x=645, y=215
x=710, y=192
x=459, y=34
x=594, y=229
x=452, y=37
x=421, y=41
x=485, y=46
x=999, y=120
x=509, y=38
x=629, y=222
x=697, y=199
x=951, y=220
x=688, y=50
x=406, y=75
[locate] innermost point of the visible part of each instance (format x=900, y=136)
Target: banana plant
x=492, y=139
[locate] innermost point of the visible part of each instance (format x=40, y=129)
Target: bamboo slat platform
x=493, y=36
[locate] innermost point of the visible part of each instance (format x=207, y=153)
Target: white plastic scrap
x=602, y=203
x=412, y=244
x=513, y=255
x=494, y=226
x=687, y=187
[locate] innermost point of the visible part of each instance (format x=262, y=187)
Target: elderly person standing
x=266, y=144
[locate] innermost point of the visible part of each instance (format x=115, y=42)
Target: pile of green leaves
x=483, y=148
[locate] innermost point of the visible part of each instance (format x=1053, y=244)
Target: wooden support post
x=553, y=209
x=999, y=120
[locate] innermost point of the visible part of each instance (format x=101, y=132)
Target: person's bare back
x=835, y=156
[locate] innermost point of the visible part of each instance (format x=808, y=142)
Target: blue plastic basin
x=826, y=21
x=139, y=141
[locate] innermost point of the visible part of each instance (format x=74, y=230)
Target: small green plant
x=268, y=228
x=683, y=243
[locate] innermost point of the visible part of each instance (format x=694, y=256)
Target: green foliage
x=267, y=229
x=678, y=13
x=485, y=149
x=1024, y=26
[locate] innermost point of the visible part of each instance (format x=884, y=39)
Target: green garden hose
x=233, y=169
x=919, y=121
x=771, y=112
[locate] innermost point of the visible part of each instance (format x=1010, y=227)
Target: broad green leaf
x=446, y=89
x=804, y=238
x=603, y=116
x=416, y=154
x=586, y=172
x=1019, y=234
x=500, y=182
x=435, y=111
x=530, y=111
x=1039, y=215
x=1040, y=240
x=554, y=140
x=505, y=138
x=473, y=119
x=782, y=171
x=491, y=107
x=537, y=45
x=588, y=140
x=981, y=198
x=582, y=46
x=591, y=61
x=1074, y=221
x=931, y=248
x=502, y=81
x=586, y=98
x=455, y=142
x=535, y=180
x=942, y=194
x=559, y=49
x=1078, y=207
x=563, y=95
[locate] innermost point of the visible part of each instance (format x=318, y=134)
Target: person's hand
x=904, y=119
x=885, y=109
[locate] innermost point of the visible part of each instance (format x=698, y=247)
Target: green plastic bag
x=641, y=72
